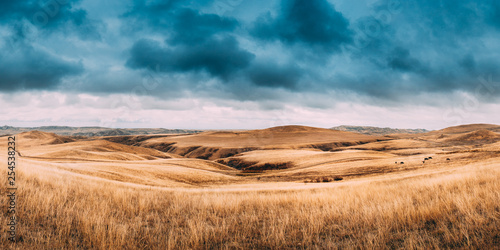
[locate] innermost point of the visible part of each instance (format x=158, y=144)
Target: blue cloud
x=28, y=68
x=313, y=23
x=54, y=16
x=220, y=57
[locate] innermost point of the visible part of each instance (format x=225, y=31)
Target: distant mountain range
x=95, y=131
x=100, y=131
x=378, y=131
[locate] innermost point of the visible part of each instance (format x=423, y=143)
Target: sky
x=247, y=64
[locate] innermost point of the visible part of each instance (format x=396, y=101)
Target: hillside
x=284, y=153
x=38, y=138
x=96, y=150
x=215, y=145
x=467, y=128
x=482, y=136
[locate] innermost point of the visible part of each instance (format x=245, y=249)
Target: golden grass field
x=258, y=190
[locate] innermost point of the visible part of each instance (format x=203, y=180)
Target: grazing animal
x=423, y=161
x=426, y=159
x=430, y=158
x=402, y=163
x=448, y=159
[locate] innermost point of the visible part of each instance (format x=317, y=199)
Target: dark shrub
x=338, y=178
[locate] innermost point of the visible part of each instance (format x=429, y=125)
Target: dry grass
x=456, y=210
x=324, y=179
x=102, y=195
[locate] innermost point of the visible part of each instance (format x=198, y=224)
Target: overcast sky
x=249, y=63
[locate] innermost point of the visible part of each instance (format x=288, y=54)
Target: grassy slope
x=456, y=209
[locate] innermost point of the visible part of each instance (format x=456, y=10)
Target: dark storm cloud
x=468, y=63
x=401, y=60
x=219, y=57
x=494, y=16
x=421, y=46
x=194, y=42
x=427, y=46
x=29, y=68
x=190, y=27
x=167, y=17
x=197, y=42
x=275, y=76
x=313, y=23
x=25, y=63
x=50, y=16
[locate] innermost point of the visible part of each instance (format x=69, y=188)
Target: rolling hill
x=222, y=144
x=278, y=154
x=95, y=150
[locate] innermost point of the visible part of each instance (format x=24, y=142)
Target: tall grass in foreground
x=458, y=210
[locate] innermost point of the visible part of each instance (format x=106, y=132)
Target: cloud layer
x=276, y=53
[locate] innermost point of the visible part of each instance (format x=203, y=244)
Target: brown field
x=278, y=188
